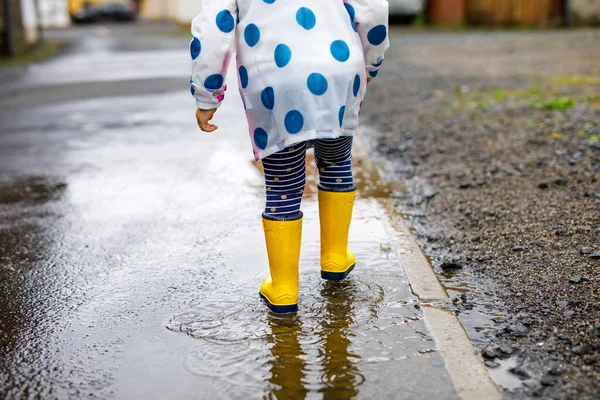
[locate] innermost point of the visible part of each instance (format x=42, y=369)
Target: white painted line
x=469, y=375
x=421, y=277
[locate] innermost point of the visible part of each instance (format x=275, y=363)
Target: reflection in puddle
x=295, y=354
x=341, y=378
x=288, y=361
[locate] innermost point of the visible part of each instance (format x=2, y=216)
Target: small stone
x=518, y=329
x=596, y=255
x=562, y=303
x=590, y=359
x=582, y=349
x=569, y=314
x=575, y=279
x=543, y=185
x=586, y=250
x=505, y=349
x=450, y=265
x=548, y=380
x=464, y=185
x=518, y=248
x=589, y=193
x=556, y=370
x=560, y=181
x=491, y=364
x=519, y=371
x=489, y=353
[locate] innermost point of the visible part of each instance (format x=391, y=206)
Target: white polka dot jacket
x=302, y=64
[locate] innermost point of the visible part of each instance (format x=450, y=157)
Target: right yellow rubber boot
x=335, y=214
x=280, y=290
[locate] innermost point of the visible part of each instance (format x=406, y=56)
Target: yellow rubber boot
x=280, y=290
x=335, y=213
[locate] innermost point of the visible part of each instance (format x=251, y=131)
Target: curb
x=466, y=369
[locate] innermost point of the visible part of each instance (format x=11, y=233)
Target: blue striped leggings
x=285, y=175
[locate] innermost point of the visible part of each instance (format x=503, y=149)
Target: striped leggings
x=285, y=175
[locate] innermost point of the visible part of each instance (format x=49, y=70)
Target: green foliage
x=595, y=139
x=37, y=53
x=553, y=103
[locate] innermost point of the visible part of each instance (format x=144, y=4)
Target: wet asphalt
x=131, y=249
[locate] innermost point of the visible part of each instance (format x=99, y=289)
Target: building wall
x=54, y=13
x=29, y=20
x=160, y=10
x=188, y=9
x=585, y=12
x=182, y=11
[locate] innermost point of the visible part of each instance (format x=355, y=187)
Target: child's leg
x=334, y=161
x=285, y=178
x=336, y=201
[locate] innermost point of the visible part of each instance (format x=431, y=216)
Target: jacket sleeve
x=370, y=18
x=211, y=49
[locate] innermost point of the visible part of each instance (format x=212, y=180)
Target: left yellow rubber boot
x=335, y=214
x=280, y=290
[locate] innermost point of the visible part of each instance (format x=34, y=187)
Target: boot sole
x=279, y=309
x=337, y=276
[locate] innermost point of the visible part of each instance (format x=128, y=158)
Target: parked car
x=118, y=11
x=114, y=10
x=405, y=11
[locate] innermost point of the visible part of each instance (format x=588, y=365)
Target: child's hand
x=203, y=116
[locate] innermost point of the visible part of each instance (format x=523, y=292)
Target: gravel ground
x=497, y=136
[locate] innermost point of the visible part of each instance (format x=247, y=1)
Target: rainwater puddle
x=502, y=376
x=347, y=338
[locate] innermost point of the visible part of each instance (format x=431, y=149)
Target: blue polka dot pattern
x=341, y=114
x=269, y=1
x=195, y=48
x=306, y=18
x=243, y=76
x=377, y=64
x=317, y=84
x=373, y=73
x=215, y=81
x=340, y=50
x=294, y=121
x=261, y=137
x=350, y=10
x=225, y=21
x=352, y=14
x=283, y=55
x=356, y=86
x=192, y=90
x=268, y=97
x=377, y=35
x=251, y=35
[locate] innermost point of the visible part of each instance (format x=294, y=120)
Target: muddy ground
x=497, y=136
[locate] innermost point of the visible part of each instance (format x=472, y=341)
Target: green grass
x=553, y=103
x=30, y=54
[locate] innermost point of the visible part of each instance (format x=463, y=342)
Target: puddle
x=503, y=377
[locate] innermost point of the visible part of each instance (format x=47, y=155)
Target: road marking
x=469, y=375
x=421, y=277
x=466, y=369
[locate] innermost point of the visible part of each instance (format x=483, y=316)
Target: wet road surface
x=131, y=253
